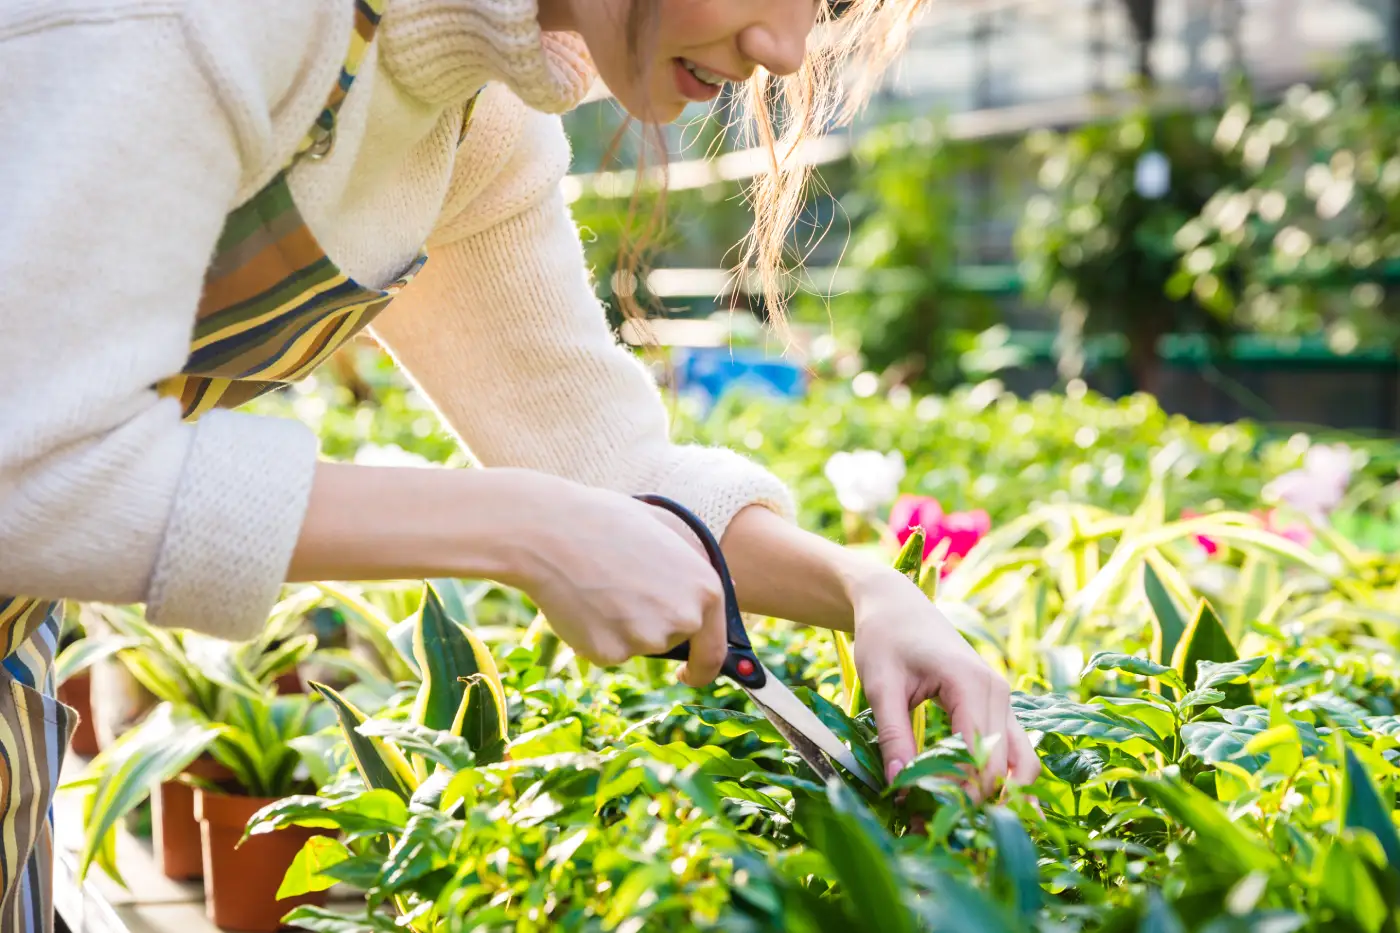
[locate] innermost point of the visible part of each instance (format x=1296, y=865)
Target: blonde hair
x=857, y=43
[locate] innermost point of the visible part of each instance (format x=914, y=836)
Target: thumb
x=889, y=701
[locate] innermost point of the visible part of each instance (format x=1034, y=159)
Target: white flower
x=1319, y=486
x=390, y=455
x=865, y=480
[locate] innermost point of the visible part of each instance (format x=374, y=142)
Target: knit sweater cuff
x=717, y=484
x=443, y=51
x=234, y=524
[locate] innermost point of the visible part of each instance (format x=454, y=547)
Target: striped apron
x=273, y=308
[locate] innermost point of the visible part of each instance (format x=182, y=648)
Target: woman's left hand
x=908, y=652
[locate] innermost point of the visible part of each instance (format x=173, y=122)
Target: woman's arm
x=906, y=650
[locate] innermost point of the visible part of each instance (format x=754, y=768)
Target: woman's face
x=692, y=47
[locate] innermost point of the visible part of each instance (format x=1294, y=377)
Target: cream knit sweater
x=129, y=129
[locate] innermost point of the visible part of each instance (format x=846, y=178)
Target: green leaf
x=305, y=873
x=953, y=906
x=364, y=812
x=943, y=762
x=1212, y=675
x=85, y=652
x=911, y=557
x=481, y=719
x=1383, y=725
x=850, y=732
x=856, y=700
x=424, y=847
x=1169, y=625
x=321, y=920
x=1218, y=838
x=435, y=745
x=1016, y=876
x=1132, y=664
x=1201, y=698
x=857, y=848
x=1214, y=742
x=1077, y=767
x=285, y=657
x=1206, y=640
x=565, y=735
x=1348, y=886
x=380, y=765
x=731, y=723
x=1057, y=714
x=1364, y=809
x=163, y=745
x=447, y=652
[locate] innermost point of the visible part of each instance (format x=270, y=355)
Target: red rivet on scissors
x=745, y=667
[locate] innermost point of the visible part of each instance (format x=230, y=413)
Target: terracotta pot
x=290, y=682
x=240, y=884
x=174, y=829
x=77, y=693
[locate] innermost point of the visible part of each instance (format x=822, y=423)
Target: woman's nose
x=778, y=42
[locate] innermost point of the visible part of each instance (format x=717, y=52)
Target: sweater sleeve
x=119, y=163
x=503, y=333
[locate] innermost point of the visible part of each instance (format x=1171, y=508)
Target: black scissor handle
x=741, y=665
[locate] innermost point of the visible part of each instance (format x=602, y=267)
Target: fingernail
x=893, y=768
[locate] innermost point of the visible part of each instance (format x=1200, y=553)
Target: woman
x=202, y=200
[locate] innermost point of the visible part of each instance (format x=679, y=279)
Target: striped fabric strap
x=321, y=139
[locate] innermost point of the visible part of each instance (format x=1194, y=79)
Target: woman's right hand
x=615, y=577
x=615, y=580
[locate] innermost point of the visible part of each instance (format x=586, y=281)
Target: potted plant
x=197, y=674
x=404, y=758
x=250, y=739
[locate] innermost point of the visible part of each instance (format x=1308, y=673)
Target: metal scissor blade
x=809, y=736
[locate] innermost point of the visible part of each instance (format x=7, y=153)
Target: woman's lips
x=691, y=87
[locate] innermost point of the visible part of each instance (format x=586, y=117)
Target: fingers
x=998, y=709
x=890, y=702
x=964, y=724
x=1024, y=762
x=708, y=647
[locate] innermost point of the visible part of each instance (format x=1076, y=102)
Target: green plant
x=1304, y=242
x=215, y=698
x=1098, y=245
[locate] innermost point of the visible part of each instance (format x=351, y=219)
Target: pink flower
x=962, y=530
x=1208, y=544
x=1300, y=535
x=910, y=512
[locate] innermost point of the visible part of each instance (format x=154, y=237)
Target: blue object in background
x=709, y=372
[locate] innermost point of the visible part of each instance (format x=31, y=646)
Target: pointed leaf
x=480, y=720
x=380, y=765
x=85, y=652
x=911, y=557
x=1016, y=877
x=1132, y=664
x=1079, y=766
x=1205, y=640
x=1364, y=809
x=447, y=652
x=1216, y=835
x=436, y=745
x=1168, y=623
x=858, y=850
x=304, y=875
x=163, y=745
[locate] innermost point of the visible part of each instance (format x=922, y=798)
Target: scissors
x=807, y=734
